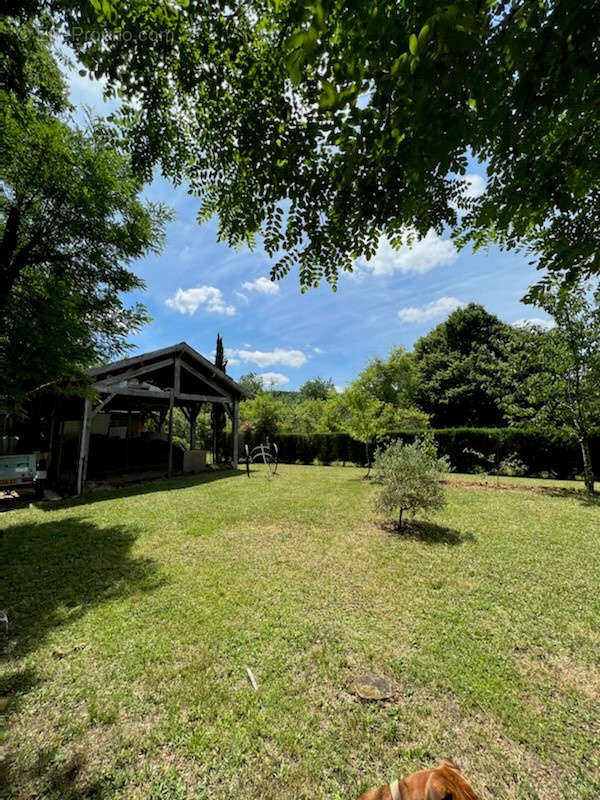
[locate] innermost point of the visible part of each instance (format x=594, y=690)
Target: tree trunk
x=588, y=471
x=368, y=460
x=9, y=272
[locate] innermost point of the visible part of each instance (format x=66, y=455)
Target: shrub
x=410, y=477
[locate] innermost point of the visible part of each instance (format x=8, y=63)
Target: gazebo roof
x=179, y=369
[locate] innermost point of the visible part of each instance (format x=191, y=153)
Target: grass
x=134, y=615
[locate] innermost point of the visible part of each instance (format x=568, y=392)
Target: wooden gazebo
x=156, y=383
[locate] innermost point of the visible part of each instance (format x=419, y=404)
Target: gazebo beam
x=160, y=394
x=200, y=376
x=136, y=372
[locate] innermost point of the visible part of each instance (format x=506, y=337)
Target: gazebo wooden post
x=162, y=415
x=213, y=420
x=128, y=434
x=84, y=444
x=171, y=399
x=193, y=418
x=235, y=432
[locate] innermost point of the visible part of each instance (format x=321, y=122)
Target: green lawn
x=133, y=617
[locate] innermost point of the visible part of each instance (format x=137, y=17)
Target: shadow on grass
x=144, y=486
x=56, y=777
x=52, y=573
x=592, y=500
x=569, y=492
x=428, y=532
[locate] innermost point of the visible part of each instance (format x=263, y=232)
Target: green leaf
x=296, y=40
x=328, y=95
x=294, y=66
x=424, y=35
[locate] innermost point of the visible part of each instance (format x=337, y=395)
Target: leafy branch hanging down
x=324, y=125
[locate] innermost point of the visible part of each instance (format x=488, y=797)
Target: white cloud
x=317, y=349
x=475, y=185
x=242, y=297
x=538, y=322
x=287, y=358
x=434, y=310
x=414, y=255
x=262, y=285
x=273, y=379
x=188, y=301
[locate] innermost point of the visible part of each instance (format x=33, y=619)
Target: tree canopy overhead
x=326, y=124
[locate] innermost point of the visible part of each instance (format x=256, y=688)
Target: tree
x=362, y=417
x=264, y=414
x=409, y=478
x=317, y=389
x=306, y=417
x=252, y=383
x=391, y=380
x=334, y=415
x=457, y=369
x=218, y=412
x=326, y=125
x=71, y=224
x=409, y=419
x=555, y=374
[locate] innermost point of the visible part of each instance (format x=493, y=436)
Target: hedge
x=542, y=452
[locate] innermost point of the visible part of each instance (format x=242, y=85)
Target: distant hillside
x=289, y=398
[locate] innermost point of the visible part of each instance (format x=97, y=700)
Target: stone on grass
x=370, y=686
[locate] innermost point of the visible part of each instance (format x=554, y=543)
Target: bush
x=410, y=479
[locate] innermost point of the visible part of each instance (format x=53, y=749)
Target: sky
x=199, y=286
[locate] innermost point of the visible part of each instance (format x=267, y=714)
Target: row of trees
x=471, y=370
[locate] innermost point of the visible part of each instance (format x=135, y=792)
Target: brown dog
x=442, y=783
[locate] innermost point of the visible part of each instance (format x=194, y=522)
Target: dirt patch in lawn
x=554, y=491
x=563, y=671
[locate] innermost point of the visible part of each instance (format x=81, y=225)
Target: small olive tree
x=409, y=477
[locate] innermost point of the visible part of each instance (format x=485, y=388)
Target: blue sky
x=198, y=286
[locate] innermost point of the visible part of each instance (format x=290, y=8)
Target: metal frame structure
x=262, y=453
x=159, y=381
